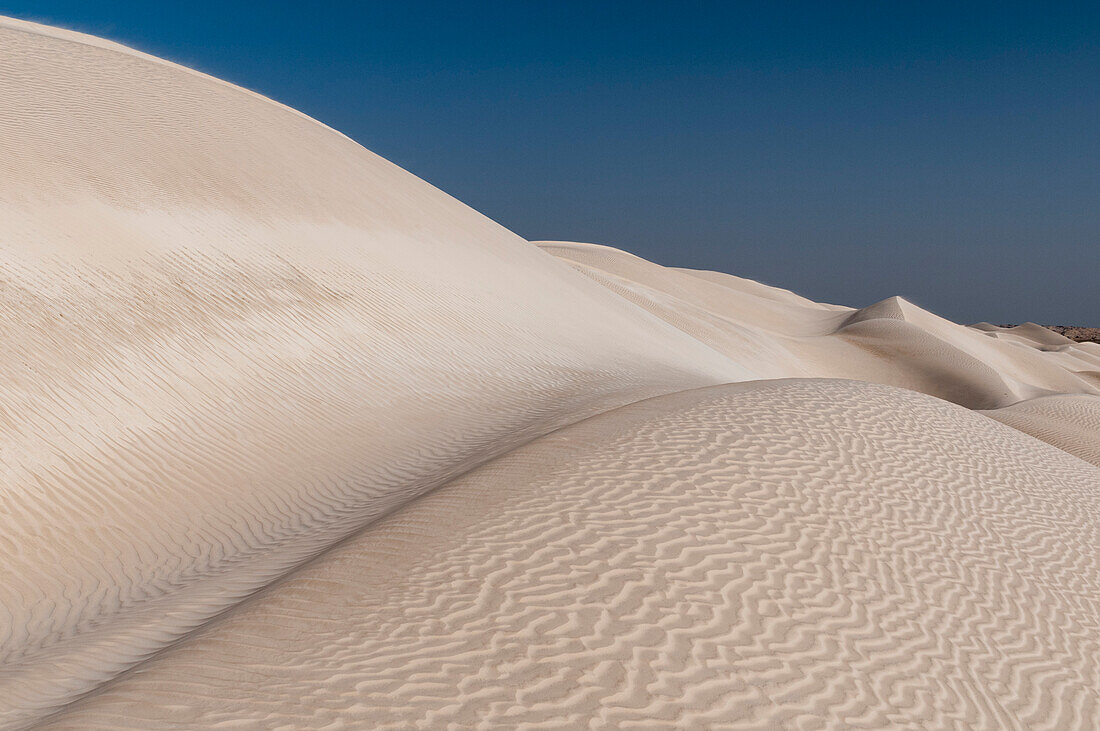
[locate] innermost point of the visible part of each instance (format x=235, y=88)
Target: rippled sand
x=292, y=438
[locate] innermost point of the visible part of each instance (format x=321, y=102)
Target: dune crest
x=778, y=334
x=241, y=349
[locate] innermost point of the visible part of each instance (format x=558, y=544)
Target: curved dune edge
x=773, y=553
x=779, y=334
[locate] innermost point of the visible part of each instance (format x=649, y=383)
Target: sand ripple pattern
x=232, y=337
x=162, y=461
x=789, y=554
x=1070, y=422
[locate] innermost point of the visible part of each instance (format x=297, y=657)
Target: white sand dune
x=1069, y=422
x=769, y=553
x=779, y=334
x=237, y=343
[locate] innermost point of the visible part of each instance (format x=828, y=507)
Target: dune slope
x=768, y=554
x=235, y=341
x=779, y=334
x=232, y=336
x=1070, y=422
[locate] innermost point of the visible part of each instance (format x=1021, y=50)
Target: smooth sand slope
x=777, y=334
x=235, y=339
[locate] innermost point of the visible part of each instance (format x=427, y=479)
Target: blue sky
x=948, y=152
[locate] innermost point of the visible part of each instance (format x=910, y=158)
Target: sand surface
x=769, y=553
x=292, y=438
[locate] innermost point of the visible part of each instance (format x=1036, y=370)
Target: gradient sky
x=948, y=152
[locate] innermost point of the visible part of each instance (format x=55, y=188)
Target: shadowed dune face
x=234, y=338
x=783, y=554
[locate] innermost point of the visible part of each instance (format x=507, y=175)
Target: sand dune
x=233, y=336
x=237, y=343
x=784, y=553
x=892, y=342
x=1069, y=422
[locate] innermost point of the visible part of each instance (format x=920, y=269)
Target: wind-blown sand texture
x=292, y=438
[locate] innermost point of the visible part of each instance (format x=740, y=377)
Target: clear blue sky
x=947, y=152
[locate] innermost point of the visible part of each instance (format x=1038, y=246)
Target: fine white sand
x=778, y=334
x=287, y=442
x=1070, y=422
x=772, y=553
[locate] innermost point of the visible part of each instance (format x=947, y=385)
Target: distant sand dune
x=235, y=342
x=893, y=342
